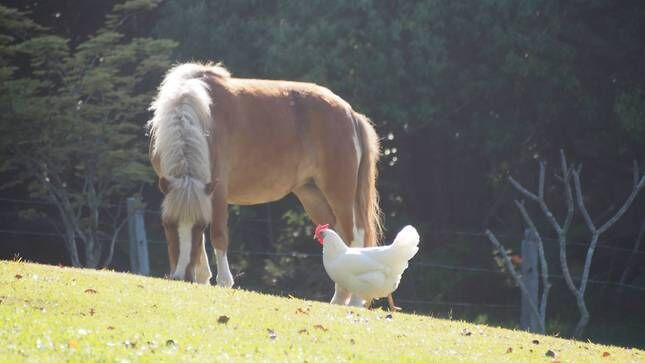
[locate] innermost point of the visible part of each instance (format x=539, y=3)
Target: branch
x=564, y=266
x=597, y=232
x=539, y=198
x=70, y=230
x=61, y=198
x=581, y=203
x=587, y=266
x=541, y=180
x=521, y=189
x=110, y=254
x=626, y=205
x=515, y=275
x=562, y=233
x=566, y=176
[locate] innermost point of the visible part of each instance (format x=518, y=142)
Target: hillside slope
x=49, y=313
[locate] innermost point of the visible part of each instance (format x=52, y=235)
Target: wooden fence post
x=139, y=263
x=529, y=269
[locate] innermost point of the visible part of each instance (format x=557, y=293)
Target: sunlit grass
x=50, y=313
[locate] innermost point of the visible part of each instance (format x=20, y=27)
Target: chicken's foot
x=390, y=302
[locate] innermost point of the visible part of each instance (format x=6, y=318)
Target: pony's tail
x=367, y=199
x=179, y=132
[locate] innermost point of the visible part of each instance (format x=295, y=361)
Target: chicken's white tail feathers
x=408, y=236
x=406, y=243
x=179, y=132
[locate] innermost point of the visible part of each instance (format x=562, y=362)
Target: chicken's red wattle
x=319, y=229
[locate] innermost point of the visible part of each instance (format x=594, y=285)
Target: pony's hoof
x=225, y=281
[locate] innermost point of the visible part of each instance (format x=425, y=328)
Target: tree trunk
x=70, y=237
x=584, y=316
x=92, y=252
x=70, y=244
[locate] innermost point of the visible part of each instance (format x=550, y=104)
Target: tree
x=72, y=121
x=462, y=94
x=570, y=179
x=463, y=88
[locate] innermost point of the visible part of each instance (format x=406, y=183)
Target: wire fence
x=296, y=254
x=416, y=263
x=602, y=244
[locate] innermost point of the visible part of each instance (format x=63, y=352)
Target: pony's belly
x=253, y=199
x=262, y=182
x=257, y=192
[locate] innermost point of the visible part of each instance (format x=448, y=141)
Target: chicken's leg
x=369, y=303
x=390, y=302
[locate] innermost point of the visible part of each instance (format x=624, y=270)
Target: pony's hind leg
x=344, y=225
x=338, y=200
x=358, y=241
x=318, y=209
x=202, y=269
x=219, y=239
x=315, y=204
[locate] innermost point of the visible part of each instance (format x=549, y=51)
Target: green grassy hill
x=49, y=313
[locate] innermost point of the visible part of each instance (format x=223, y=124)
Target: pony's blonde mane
x=179, y=130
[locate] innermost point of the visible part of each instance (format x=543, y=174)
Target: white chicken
x=368, y=272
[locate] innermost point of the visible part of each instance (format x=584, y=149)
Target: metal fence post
x=529, y=270
x=139, y=262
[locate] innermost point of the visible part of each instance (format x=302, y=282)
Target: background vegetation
x=463, y=95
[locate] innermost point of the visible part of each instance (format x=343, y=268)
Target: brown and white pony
x=218, y=140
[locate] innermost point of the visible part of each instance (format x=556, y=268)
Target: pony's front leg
x=224, y=276
x=203, y=272
x=219, y=239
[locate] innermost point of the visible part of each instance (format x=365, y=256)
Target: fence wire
x=416, y=263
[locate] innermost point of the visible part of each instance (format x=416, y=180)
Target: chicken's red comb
x=320, y=228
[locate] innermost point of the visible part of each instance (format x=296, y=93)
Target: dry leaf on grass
x=320, y=327
x=272, y=334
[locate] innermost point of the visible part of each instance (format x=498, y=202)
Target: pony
x=217, y=140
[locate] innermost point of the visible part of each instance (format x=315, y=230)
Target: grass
x=49, y=313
